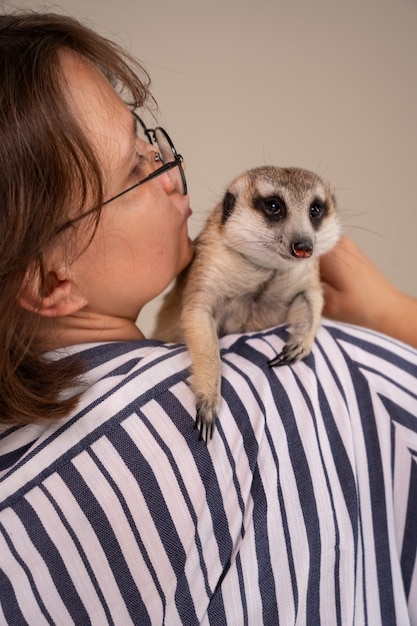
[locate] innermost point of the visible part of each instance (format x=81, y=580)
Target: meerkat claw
x=289, y=354
x=204, y=425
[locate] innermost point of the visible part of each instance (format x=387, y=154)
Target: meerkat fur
x=256, y=265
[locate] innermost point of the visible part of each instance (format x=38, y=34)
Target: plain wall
x=326, y=85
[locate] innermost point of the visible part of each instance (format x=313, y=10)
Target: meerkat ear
x=57, y=298
x=229, y=203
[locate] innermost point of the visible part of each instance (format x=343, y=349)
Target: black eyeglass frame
x=151, y=136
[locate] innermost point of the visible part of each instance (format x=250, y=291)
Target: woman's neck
x=86, y=327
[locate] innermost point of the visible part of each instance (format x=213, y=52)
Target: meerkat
x=256, y=265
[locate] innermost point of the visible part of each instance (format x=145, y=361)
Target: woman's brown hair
x=47, y=170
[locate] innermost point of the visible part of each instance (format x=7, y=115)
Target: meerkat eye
x=317, y=211
x=272, y=207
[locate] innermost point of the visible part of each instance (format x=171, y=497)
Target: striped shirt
x=302, y=509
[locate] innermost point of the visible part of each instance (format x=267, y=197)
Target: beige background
x=323, y=84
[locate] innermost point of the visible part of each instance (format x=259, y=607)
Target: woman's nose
x=168, y=183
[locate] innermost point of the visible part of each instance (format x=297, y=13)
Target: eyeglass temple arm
x=164, y=168
x=148, y=131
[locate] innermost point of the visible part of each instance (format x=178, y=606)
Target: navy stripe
x=391, y=356
x=409, y=545
x=98, y=354
x=284, y=519
x=162, y=519
x=399, y=415
x=341, y=460
x=9, y=459
x=204, y=466
x=331, y=363
x=303, y=479
x=327, y=417
x=138, y=608
x=181, y=418
x=394, y=383
x=241, y=415
x=266, y=580
x=343, y=466
x=53, y=560
x=110, y=543
x=215, y=611
x=11, y=609
x=253, y=356
x=377, y=495
x=363, y=572
x=242, y=591
x=84, y=557
x=244, y=425
x=9, y=431
x=266, y=576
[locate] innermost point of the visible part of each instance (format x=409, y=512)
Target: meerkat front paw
x=291, y=353
x=206, y=416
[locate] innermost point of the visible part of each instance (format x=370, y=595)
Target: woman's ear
x=58, y=297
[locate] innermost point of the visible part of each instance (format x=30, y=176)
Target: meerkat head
x=278, y=217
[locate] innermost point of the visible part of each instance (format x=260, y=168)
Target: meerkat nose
x=302, y=249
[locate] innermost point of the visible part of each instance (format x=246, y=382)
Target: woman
x=112, y=509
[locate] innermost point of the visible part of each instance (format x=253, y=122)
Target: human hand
x=356, y=291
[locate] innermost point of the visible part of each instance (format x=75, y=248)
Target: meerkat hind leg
x=303, y=315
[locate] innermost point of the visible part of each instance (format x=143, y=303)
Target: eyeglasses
x=166, y=153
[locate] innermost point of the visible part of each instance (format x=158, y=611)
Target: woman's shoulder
x=150, y=379
x=347, y=363
x=152, y=365
x=118, y=358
